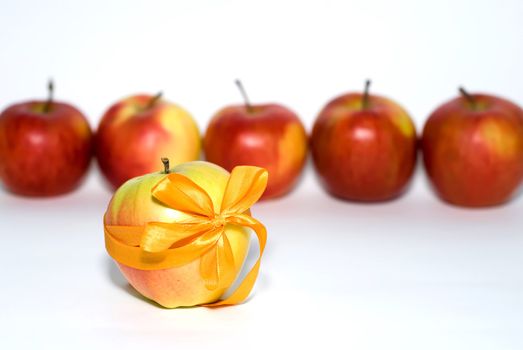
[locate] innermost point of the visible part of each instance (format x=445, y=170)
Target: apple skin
x=364, y=154
x=270, y=136
x=43, y=153
x=133, y=204
x=133, y=136
x=474, y=157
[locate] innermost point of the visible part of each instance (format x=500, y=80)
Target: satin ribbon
x=161, y=245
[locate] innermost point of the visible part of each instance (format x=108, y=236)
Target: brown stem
x=49, y=102
x=165, y=162
x=365, y=99
x=470, y=99
x=154, y=99
x=244, y=94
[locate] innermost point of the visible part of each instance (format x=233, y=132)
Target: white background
x=409, y=274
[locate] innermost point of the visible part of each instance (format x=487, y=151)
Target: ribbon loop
x=181, y=193
x=244, y=188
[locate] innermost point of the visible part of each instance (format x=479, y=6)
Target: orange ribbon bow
x=160, y=245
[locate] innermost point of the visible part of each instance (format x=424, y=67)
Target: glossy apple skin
x=131, y=138
x=43, y=154
x=269, y=136
x=132, y=204
x=474, y=158
x=364, y=154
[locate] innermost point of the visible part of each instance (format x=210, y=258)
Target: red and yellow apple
x=45, y=147
x=133, y=204
x=364, y=147
x=270, y=136
x=473, y=149
x=135, y=132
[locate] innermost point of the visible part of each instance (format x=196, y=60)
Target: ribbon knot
x=219, y=221
x=164, y=245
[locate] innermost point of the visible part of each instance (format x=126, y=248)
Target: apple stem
x=470, y=99
x=365, y=100
x=49, y=102
x=154, y=99
x=244, y=94
x=165, y=162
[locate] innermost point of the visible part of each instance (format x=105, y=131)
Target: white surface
x=408, y=274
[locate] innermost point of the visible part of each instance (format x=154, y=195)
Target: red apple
x=45, y=147
x=473, y=149
x=135, y=132
x=364, y=147
x=270, y=136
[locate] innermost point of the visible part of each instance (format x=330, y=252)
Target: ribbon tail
x=217, y=265
x=244, y=289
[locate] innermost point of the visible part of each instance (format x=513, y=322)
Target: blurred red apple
x=135, y=132
x=270, y=136
x=473, y=149
x=364, y=147
x=45, y=147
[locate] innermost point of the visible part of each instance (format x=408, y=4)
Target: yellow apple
x=133, y=205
